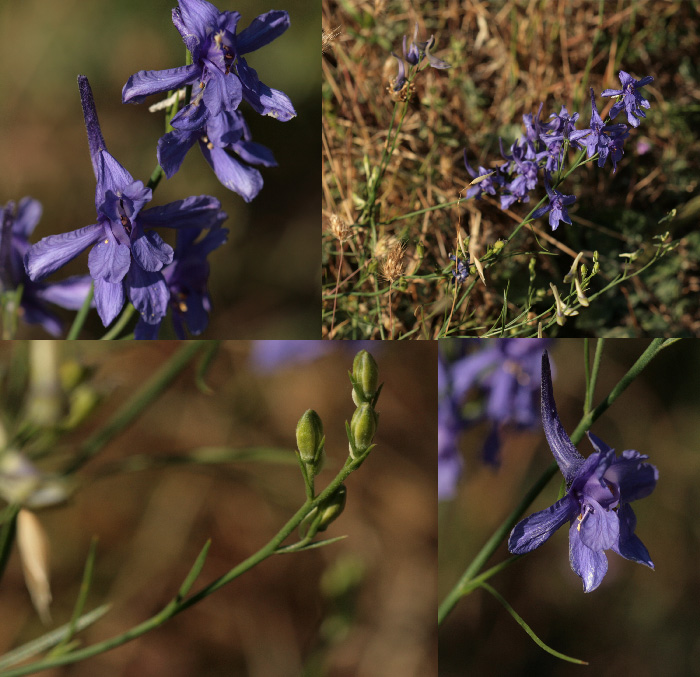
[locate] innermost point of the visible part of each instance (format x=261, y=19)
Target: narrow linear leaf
x=50, y=639
x=527, y=628
x=210, y=352
x=194, y=571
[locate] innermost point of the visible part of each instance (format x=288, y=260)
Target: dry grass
x=507, y=57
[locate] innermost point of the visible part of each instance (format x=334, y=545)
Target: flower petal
x=590, y=565
x=635, y=479
x=629, y=545
x=197, y=211
x=255, y=153
x=109, y=299
x=146, y=332
x=54, y=251
x=567, y=457
x=264, y=99
x=144, y=83
x=198, y=15
x=110, y=176
x=109, y=260
x=534, y=530
x=262, y=30
x=241, y=179
x=149, y=294
x=150, y=252
x=69, y=293
x=172, y=148
x=28, y=215
x=599, y=528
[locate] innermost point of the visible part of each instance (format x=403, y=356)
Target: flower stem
x=81, y=316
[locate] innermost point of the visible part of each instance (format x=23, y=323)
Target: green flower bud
x=362, y=427
x=310, y=439
x=365, y=373
x=332, y=508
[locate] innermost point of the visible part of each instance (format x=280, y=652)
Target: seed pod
x=310, y=440
x=362, y=427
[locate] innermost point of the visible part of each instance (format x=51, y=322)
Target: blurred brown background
x=638, y=622
x=363, y=606
x=264, y=281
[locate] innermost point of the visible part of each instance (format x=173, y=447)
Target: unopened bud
x=332, y=508
x=362, y=428
x=310, y=439
x=365, y=374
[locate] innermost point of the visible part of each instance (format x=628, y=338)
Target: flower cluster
x=127, y=260
x=220, y=79
x=17, y=223
x=505, y=375
x=543, y=148
x=596, y=504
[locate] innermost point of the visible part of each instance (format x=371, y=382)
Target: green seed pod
x=362, y=427
x=365, y=373
x=332, y=508
x=310, y=438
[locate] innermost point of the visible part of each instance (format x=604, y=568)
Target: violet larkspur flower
x=17, y=223
x=595, y=138
x=414, y=55
x=222, y=133
x=596, y=504
x=487, y=185
x=507, y=372
x=461, y=271
x=126, y=259
x=186, y=278
x=630, y=99
x=556, y=207
x=219, y=73
x=450, y=425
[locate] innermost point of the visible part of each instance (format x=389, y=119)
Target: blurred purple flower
x=487, y=185
x=507, y=373
x=599, y=490
x=450, y=425
x=414, y=55
x=269, y=355
x=630, y=99
x=461, y=271
x=126, y=260
x=17, y=223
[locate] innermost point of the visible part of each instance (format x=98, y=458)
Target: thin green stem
x=506, y=527
x=81, y=316
x=120, y=323
x=590, y=387
x=177, y=605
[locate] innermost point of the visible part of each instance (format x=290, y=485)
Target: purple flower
x=615, y=151
x=556, y=207
x=219, y=73
x=630, y=99
x=450, y=425
x=126, y=260
x=596, y=504
x=461, y=271
x=595, y=138
x=186, y=278
x=17, y=222
x=222, y=135
x=270, y=354
x=507, y=373
x=488, y=185
x=414, y=55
